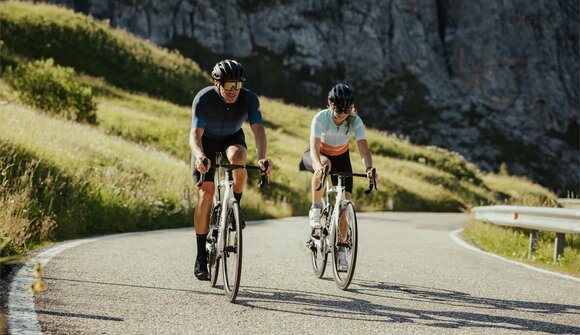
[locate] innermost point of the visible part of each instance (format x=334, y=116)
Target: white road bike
x=339, y=230
x=224, y=242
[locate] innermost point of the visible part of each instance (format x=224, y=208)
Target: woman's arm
x=315, y=143
x=365, y=154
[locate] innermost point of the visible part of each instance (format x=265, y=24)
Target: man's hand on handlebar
x=202, y=164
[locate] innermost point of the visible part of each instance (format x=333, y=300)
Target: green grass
x=519, y=191
x=512, y=243
x=103, y=184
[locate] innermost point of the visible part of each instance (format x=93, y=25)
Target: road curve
x=411, y=278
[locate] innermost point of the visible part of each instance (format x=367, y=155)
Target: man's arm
x=261, y=144
x=197, y=149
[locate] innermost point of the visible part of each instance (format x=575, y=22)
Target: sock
x=316, y=205
x=201, y=252
x=238, y=197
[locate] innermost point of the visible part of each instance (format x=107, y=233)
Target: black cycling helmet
x=341, y=96
x=228, y=70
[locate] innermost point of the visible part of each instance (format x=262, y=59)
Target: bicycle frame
x=220, y=246
x=228, y=200
x=339, y=200
x=336, y=237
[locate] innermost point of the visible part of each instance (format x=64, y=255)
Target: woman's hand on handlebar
x=319, y=172
x=372, y=175
x=267, y=167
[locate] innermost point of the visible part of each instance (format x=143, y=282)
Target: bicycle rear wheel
x=232, y=254
x=318, y=246
x=212, y=259
x=348, y=243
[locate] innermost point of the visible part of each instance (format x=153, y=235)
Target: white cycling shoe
x=342, y=263
x=314, y=216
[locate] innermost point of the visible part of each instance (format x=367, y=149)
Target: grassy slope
x=92, y=47
x=135, y=161
x=116, y=185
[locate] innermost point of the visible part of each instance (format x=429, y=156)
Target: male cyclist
x=330, y=133
x=218, y=114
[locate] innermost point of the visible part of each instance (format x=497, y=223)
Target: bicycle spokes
x=232, y=253
x=344, y=251
x=318, y=247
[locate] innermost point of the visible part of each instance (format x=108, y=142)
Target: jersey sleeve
x=197, y=113
x=254, y=114
x=316, y=127
x=359, y=129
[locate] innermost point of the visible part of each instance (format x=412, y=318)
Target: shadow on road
x=456, y=298
x=48, y=279
x=79, y=315
x=449, y=308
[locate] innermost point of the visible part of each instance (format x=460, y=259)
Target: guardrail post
x=559, y=245
x=533, y=245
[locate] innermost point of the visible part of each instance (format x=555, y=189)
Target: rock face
x=495, y=80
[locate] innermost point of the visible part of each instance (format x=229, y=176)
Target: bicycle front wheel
x=213, y=261
x=344, y=237
x=232, y=254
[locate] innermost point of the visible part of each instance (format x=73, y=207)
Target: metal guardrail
x=560, y=220
x=569, y=203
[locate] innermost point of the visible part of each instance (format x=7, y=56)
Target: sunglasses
x=342, y=110
x=229, y=85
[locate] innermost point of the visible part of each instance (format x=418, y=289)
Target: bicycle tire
x=232, y=253
x=318, y=246
x=344, y=278
x=212, y=261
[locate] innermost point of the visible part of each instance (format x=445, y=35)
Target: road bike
x=224, y=242
x=338, y=230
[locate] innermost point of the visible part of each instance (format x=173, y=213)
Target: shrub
x=46, y=31
x=53, y=89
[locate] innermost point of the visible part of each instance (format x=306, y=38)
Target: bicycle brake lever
x=373, y=183
x=202, y=175
x=264, y=181
x=324, y=175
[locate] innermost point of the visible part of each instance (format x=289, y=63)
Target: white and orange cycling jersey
x=334, y=139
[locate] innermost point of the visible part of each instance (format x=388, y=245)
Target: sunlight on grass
x=520, y=190
x=512, y=243
x=81, y=149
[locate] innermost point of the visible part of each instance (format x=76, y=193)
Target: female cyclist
x=330, y=133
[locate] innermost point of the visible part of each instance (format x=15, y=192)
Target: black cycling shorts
x=340, y=163
x=211, y=147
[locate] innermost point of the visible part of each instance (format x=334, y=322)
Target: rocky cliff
x=495, y=80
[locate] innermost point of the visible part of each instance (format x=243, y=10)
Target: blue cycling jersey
x=219, y=119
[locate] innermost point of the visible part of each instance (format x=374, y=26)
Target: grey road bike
x=339, y=230
x=224, y=242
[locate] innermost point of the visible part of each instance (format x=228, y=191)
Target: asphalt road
x=411, y=278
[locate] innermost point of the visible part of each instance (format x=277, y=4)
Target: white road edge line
x=22, y=317
x=454, y=236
